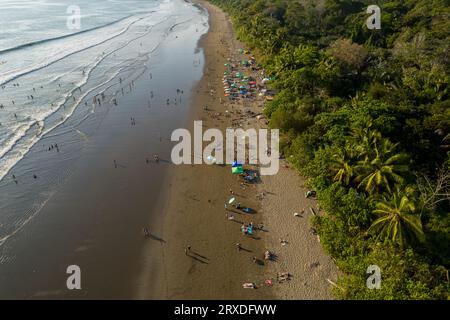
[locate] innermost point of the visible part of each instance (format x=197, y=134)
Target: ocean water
x=54, y=79
x=45, y=66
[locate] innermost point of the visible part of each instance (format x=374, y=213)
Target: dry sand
x=194, y=213
x=302, y=256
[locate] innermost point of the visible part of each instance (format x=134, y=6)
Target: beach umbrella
x=237, y=170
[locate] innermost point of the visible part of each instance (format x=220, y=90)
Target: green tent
x=237, y=170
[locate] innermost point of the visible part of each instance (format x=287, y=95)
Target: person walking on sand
x=187, y=250
x=238, y=246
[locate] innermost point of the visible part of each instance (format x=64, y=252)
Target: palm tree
x=397, y=220
x=366, y=138
x=342, y=165
x=381, y=166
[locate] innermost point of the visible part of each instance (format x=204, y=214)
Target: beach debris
x=260, y=226
x=283, y=276
x=310, y=194
x=249, y=285
x=268, y=282
x=334, y=284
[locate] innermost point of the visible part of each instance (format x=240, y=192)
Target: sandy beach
x=195, y=215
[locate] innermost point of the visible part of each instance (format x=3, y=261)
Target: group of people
x=247, y=229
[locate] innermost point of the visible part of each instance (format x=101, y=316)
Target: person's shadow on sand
x=153, y=237
x=198, y=257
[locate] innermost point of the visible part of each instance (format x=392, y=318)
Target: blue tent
x=236, y=164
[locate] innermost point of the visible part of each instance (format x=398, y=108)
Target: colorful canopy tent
x=236, y=164
x=237, y=170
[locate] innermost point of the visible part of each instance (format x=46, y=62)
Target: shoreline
x=195, y=214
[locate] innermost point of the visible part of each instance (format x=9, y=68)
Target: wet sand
x=195, y=215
